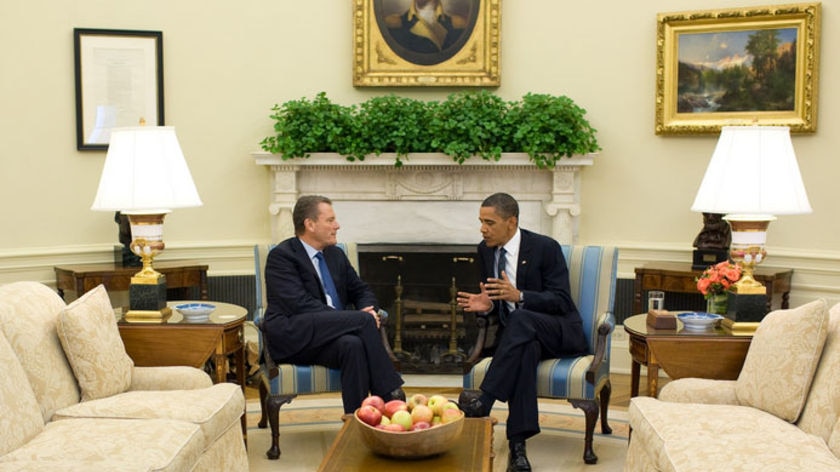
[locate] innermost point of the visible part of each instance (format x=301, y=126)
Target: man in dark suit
x=526, y=284
x=309, y=282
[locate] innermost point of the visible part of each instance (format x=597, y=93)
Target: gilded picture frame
x=119, y=82
x=756, y=65
x=404, y=43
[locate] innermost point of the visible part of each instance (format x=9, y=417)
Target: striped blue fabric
x=592, y=276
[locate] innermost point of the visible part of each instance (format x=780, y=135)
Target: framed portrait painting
x=756, y=65
x=426, y=43
x=119, y=82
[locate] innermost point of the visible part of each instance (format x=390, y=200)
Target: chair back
x=592, y=277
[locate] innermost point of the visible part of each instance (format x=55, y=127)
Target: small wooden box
x=661, y=319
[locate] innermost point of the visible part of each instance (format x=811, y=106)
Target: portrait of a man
x=426, y=32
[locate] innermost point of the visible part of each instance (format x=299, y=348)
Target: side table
x=678, y=277
x=83, y=277
x=711, y=354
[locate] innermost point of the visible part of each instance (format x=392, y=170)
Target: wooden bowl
x=411, y=444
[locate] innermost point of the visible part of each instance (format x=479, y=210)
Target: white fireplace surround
x=430, y=199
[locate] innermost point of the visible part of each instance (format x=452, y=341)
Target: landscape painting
x=737, y=66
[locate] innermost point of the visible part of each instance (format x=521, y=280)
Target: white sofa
x=781, y=414
x=72, y=400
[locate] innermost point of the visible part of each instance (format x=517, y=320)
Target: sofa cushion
x=213, y=409
x=20, y=416
x=90, y=337
x=782, y=358
x=697, y=437
x=834, y=439
x=823, y=405
x=28, y=316
x=106, y=444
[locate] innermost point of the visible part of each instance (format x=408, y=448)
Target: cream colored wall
x=227, y=63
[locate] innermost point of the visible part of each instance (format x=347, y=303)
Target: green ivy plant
x=465, y=124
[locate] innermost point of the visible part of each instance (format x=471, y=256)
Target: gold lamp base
x=147, y=292
x=148, y=316
x=749, y=236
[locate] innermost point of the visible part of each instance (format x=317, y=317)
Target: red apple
x=402, y=418
x=370, y=415
x=393, y=406
x=422, y=413
x=436, y=403
x=416, y=399
x=420, y=425
x=376, y=401
x=449, y=415
x=393, y=427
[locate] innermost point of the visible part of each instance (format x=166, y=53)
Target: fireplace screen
x=417, y=285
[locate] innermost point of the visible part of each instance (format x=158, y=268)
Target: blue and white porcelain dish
x=195, y=311
x=698, y=320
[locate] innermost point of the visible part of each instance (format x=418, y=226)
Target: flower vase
x=716, y=303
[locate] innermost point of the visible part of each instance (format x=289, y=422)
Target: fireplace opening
x=417, y=285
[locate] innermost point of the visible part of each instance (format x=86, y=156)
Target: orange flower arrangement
x=718, y=278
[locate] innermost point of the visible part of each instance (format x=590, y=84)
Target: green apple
x=402, y=418
x=449, y=415
x=436, y=403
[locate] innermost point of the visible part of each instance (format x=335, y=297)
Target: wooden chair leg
x=606, y=392
x=590, y=410
x=263, y=423
x=273, y=404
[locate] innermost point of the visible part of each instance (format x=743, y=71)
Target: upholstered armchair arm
x=606, y=325
x=169, y=378
x=691, y=390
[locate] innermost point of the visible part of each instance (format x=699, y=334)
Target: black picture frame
x=119, y=82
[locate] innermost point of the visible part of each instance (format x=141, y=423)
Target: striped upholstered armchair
x=583, y=381
x=281, y=383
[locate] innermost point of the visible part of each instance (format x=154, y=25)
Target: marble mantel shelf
x=373, y=191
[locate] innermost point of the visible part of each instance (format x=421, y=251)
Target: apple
x=416, y=399
x=450, y=405
x=385, y=420
x=449, y=415
x=402, y=418
x=422, y=413
x=376, y=401
x=394, y=428
x=370, y=415
x=420, y=425
x=393, y=406
x=436, y=403
x=436, y=421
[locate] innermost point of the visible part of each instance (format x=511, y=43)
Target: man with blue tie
x=526, y=284
x=320, y=312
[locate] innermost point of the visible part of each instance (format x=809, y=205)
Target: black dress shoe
x=469, y=402
x=517, y=459
x=397, y=394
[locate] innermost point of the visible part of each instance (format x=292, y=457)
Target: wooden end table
x=181, y=342
x=473, y=451
x=711, y=354
x=83, y=277
x=681, y=278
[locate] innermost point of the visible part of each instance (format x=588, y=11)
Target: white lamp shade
x=145, y=172
x=753, y=171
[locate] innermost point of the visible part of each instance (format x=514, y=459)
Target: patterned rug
x=308, y=426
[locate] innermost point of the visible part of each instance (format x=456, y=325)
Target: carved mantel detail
x=429, y=199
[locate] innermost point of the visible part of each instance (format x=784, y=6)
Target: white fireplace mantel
x=430, y=199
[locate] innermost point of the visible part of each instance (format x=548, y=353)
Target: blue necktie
x=329, y=285
x=503, y=306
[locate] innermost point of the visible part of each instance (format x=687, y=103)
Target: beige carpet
x=309, y=425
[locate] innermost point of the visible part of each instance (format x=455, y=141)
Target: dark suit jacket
x=293, y=289
x=541, y=275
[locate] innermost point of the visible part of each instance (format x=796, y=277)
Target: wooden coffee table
x=473, y=451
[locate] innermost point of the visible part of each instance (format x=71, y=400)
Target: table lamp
x=145, y=176
x=752, y=177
